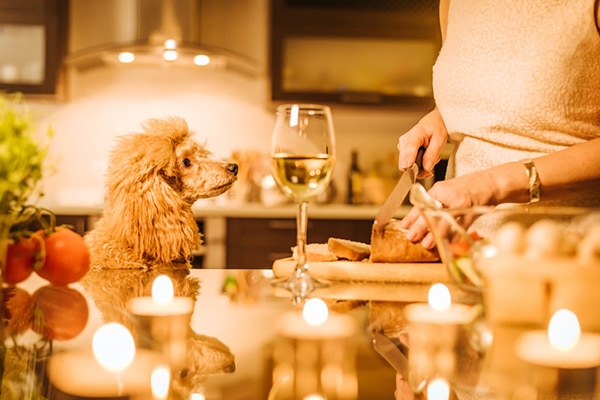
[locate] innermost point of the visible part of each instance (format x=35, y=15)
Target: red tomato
x=461, y=246
x=59, y=312
x=17, y=307
x=67, y=257
x=21, y=259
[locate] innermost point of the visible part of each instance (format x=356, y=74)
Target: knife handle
x=419, y=158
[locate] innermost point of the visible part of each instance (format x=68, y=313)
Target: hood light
x=170, y=44
x=126, y=57
x=170, y=55
x=201, y=59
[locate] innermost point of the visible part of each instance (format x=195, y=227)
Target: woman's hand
x=466, y=191
x=430, y=132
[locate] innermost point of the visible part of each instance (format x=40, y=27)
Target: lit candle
x=575, y=354
x=112, y=369
x=163, y=321
x=438, y=389
x=162, y=302
x=160, y=381
x=563, y=345
x=315, y=322
x=439, y=309
x=315, y=354
x=434, y=329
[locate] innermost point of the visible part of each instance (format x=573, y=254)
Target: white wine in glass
x=302, y=161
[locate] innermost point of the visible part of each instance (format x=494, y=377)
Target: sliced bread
x=316, y=252
x=348, y=249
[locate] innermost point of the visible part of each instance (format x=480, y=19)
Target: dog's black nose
x=233, y=168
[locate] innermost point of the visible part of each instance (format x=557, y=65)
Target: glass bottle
x=354, y=181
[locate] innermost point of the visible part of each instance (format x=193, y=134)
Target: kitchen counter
x=225, y=227
x=208, y=209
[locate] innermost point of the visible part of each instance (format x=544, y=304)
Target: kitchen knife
x=395, y=199
x=393, y=351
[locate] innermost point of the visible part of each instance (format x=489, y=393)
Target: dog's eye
x=186, y=162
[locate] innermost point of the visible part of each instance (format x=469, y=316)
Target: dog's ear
x=139, y=156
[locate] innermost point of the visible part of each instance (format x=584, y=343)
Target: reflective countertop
x=233, y=332
x=232, y=327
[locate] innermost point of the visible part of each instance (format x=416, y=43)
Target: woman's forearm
x=563, y=174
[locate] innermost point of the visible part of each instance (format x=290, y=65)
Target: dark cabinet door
x=33, y=39
x=258, y=242
x=353, y=51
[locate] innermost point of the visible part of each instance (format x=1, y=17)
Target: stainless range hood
x=145, y=32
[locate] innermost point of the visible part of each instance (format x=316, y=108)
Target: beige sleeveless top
x=517, y=79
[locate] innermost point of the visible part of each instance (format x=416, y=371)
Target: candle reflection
x=438, y=389
x=193, y=353
x=315, y=312
x=160, y=381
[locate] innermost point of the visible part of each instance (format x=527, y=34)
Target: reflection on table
x=233, y=334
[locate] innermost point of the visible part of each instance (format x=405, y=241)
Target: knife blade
x=397, y=196
x=394, y=352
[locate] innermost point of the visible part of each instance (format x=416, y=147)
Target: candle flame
x=438, y=389
x=564, y=330
x=439, y=297
x=162, y=290
x=113, y=347
x=315, y=311
x=160, y=381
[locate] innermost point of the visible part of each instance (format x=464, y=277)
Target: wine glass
x=302, y=161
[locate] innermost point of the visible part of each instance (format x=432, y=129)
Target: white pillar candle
x=315, y=323
x=315, y=355
x=163, y=321
x=543, y=347
x=574, y=354
x=434, y=330
x=162, y=302
x=439, y=310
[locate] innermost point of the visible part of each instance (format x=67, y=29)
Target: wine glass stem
x=301, y=224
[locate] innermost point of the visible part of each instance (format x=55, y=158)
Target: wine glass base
x=300, y=284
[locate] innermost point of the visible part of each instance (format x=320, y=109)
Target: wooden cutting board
x=368, y=272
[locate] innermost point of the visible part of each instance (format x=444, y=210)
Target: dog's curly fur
x=148, y=228
x=152, y=181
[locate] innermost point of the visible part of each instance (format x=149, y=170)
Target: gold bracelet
x=534, y=180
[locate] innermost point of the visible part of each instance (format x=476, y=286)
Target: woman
x=517, y=89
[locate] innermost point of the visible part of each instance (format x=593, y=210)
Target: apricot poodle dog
x=152, y=181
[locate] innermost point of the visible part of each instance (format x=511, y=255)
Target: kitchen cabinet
x=79, y=223
x=33, y=39
x=258, y=242
x=353, y=51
